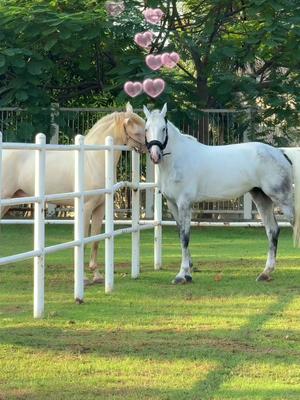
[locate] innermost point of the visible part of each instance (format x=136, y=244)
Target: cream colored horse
x=18, y=170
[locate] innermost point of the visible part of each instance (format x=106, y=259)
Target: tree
x=234, y=53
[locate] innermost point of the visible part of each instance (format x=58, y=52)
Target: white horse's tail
x=293, y=154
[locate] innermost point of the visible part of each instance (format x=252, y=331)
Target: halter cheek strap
x=161, y=145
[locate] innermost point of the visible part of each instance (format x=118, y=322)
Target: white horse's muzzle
x=155, y=154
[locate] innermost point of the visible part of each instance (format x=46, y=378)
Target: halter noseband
x=161, y=145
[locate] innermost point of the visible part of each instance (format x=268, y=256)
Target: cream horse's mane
x=111, y=124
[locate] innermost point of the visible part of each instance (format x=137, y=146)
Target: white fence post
x=247, y=212
x=135, y=215
x=54, y=139
x=109, y=215
x=79, y=186
x=39, y=228
x=157, y=219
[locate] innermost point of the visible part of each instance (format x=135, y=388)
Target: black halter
x=161, y=145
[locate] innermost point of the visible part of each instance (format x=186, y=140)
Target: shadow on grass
x=159, y=345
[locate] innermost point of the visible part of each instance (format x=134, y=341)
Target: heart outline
x=144, y=39
x=115, y=8
x=170, y=60
x=154, y=62
x=133, y=89
x=154, y=87
x=153, y=15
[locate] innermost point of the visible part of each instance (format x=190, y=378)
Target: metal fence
x=61, y=125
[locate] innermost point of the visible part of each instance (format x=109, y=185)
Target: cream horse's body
x=18, y=170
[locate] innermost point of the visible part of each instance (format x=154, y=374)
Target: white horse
x=192, y=172
x=18, y=170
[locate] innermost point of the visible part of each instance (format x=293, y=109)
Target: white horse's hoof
x=179, y=280
x=264, y=277
x=188, y=278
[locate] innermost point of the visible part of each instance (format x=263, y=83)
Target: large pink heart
x=144, y=39
x=133, y=89
x=154, y=62
x=115, y=8
x=153, y=15
x=170, y=60
x=154, y=87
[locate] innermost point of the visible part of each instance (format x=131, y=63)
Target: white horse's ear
x=164, y=110
x=146, y=112
x=129, y=107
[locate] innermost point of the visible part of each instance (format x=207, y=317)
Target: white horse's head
x=156, y=133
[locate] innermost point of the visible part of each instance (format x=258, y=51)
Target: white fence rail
x=40, y=250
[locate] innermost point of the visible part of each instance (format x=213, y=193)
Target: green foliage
x=235, y=53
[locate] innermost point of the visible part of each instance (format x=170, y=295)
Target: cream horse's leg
x=87, y=217
x=97, y=218
x=3, y=211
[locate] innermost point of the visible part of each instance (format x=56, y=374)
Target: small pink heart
x=144, y=39
x=133, y=89
x=153, y=15
x=154, y=87
x=170, y=60
x=115, y=8
x=154, y=62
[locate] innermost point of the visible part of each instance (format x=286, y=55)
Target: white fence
x=40, y=198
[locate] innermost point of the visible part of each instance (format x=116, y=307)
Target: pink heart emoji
x=115, y=8
x=133, y=89
x=154, y=87
x=144, y=39
x=154, y=62
x=170, y=60
x=153, y=15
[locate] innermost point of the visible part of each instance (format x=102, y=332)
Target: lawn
x=224, y=337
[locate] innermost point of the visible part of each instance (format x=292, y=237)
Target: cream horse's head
x=134, y=129
x=125, y=127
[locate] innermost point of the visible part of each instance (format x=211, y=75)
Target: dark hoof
x=188, y=278
x=179, y=280
x=264, y=277
x=98, y=281
x=79, y=301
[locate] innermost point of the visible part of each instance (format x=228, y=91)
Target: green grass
x=224, y=337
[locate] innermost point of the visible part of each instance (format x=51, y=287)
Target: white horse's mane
x=157, y=113
x=183, y=134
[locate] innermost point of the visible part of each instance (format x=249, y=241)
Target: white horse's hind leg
x=184, y=223
x=97, y=218
x=265, y=207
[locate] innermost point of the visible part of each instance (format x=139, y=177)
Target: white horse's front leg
x=174, y=210
x=184, y=223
